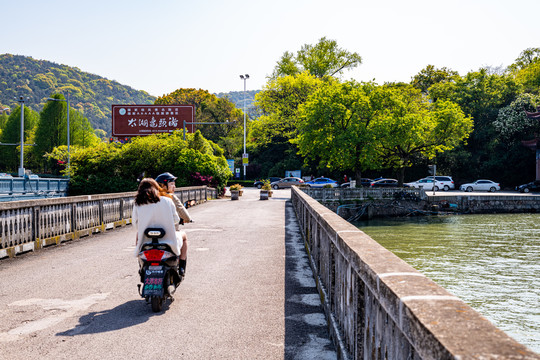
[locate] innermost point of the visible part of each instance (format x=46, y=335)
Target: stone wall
x=379, y=307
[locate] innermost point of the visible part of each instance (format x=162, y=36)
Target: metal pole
x=184, y=130
x=244, y=166
x=21, y=167
x=68, y=131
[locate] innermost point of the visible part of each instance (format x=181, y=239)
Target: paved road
x=248, y=294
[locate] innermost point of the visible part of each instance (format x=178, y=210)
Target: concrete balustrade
x=379, y=307
x=33, y=224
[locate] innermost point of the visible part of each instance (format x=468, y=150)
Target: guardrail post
x=122, y=209
x=101, y=215
x=73, y=221
x=35, y=225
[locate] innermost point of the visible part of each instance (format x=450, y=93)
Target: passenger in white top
x=153, y=210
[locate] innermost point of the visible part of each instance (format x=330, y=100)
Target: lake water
x=492, y=262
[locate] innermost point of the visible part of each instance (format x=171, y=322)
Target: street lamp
x=244, y=77
x=69, y=157
x=21, y=167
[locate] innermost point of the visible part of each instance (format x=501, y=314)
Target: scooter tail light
x=153, y=255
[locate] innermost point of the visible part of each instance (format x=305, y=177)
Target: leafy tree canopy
x=113, y=167
x=209, y=108
x=322, y=59
x=431, y=75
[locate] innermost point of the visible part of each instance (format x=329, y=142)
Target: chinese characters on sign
x=137, y=120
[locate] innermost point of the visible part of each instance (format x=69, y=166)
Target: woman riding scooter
x=167, y=183
x=153, y=210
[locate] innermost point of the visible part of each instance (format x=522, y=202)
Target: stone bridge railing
x=379, y=307
x=343, y=194
x=32, y=224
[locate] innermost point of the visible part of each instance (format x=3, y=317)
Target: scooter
x=158, y=270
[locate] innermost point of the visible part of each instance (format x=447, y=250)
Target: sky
x=162, y=45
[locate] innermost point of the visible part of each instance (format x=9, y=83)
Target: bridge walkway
x=249, y=293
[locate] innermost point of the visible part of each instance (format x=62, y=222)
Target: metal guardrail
x=12, y=186
x=33, y=224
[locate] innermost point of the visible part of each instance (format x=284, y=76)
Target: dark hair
x=148, y=192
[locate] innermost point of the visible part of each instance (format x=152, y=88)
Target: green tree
x=322, y=59
x=269, y=138
x=431, y=75
x=208, y=108
x=526, y=58
x=50, y=131
x=480, y=95
x=529, y=77
x=9, y=159
x=413, y=128
x=512, y=122
x=112, y=167
x=338, y=126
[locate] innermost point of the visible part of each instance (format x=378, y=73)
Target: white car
x=426, y=184
x=481, y=185
x=446, y=182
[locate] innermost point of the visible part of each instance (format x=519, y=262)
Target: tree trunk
x=358, y=177
x=401, y=176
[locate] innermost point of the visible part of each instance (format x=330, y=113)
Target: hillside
x=90, y=94
x=237, y=98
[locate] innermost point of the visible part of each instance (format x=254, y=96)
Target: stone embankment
x=357, y=204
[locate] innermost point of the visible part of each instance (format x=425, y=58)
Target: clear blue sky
x=160, y=46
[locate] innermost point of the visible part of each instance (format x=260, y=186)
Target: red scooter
x=158, y=270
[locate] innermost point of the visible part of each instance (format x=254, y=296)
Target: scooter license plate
x=153, y=281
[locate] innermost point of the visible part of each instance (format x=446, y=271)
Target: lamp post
x=21, y=167
x=244, y=77
x=69, y=157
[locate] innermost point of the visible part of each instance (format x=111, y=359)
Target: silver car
x=426, y=184
x=286, y=183
x=481, y=185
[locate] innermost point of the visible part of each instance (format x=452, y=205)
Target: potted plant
x=235, y=191
x=266, y=190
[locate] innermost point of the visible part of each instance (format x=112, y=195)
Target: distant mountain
x=90, y=94
x=237, y=98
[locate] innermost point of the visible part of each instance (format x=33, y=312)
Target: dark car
x=386, y=183
x=259, y=183
x=532, y=186
x=365, y=183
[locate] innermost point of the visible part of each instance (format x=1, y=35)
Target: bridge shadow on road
x=129, y=314
x=306, y=328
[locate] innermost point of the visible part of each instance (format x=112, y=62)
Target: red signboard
x=139, y=120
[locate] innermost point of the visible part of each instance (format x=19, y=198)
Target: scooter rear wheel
x=157, y=303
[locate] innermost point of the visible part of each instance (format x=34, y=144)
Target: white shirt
x=158, y=215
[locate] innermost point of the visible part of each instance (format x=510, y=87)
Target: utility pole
x=244, y=155
x=21, y=166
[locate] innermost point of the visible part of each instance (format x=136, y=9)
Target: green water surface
x=492, y=262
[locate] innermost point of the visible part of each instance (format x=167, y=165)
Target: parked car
x=286, y=183
x=481, y=185
x=427, y=184
x=322, y=182
x=259, y=183
x=386, y=183
x=33, y=176
x=446, y=181
x=532, y=186
x=365, y=182
x=5, y=175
